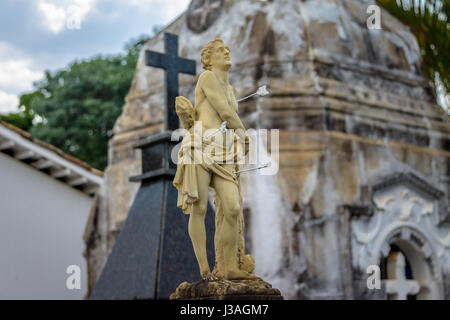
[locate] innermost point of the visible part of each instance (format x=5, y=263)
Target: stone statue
x=209, y=156
x=215, y=107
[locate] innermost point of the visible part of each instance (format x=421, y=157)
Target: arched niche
x=420, y=257
x=410, y=213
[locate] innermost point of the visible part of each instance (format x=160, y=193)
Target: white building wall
x=41, y=227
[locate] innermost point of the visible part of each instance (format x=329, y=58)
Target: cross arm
x=156, y=59
x=186, y=66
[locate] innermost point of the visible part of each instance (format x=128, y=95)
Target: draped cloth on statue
x=210, y=153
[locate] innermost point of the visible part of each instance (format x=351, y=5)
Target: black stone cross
x=173, y=64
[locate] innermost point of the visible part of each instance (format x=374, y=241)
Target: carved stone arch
x=420, y=252
x=409, y=212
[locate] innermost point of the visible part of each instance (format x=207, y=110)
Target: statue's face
x=220, y=58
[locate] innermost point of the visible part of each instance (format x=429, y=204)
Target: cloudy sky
x=39, y=35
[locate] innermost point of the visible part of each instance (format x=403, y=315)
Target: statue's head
x=216, y=54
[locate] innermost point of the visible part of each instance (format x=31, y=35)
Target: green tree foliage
x=24, y=118
x=80, y=104
x=75, y=108
x=429, y=21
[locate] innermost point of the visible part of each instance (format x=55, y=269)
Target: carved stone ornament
x=201, y=14
x=408, y=217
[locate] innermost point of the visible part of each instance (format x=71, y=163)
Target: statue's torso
x=206, y=113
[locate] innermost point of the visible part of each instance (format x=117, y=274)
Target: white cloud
x=16, y=72
x=55, y=16
x=8, y=102
x=60, y=14
x=16, y=76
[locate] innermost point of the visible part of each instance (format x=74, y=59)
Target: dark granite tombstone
x=153, y=253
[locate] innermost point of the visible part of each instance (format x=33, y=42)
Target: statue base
x=226, y=290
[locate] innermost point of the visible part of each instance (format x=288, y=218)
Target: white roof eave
x=23, y=148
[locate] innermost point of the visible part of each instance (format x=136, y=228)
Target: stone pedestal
x=226, y=290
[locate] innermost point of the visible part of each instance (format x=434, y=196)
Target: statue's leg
x=228, y=193
x=197, y=230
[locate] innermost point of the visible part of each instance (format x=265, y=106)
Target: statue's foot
x=208, y=276
x=240, y=275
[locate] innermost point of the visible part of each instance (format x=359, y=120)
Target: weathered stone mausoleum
x=364, y=155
